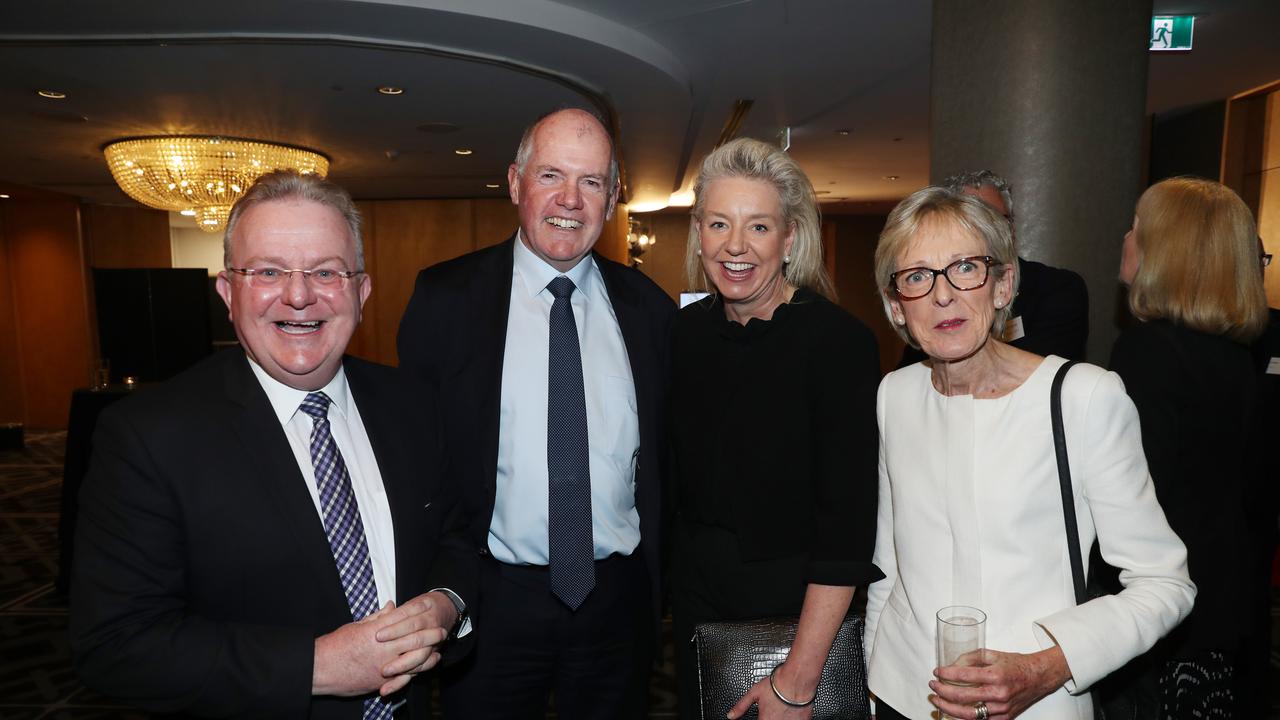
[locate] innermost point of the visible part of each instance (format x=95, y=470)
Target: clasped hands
x=385, y=650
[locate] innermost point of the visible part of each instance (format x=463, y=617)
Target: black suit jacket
x=453, y=335
x=1054, y=306
x=202, y=571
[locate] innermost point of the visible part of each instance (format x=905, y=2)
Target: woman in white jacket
x=970, y=509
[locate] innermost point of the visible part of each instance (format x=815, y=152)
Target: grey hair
x=525, y=150
x=292, y=185
x=980, y=179
x=920, y=211
x=757, y=160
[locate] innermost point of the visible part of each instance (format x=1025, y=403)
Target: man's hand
x=384, y=650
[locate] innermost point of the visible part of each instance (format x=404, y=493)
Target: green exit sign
x=1171, y=32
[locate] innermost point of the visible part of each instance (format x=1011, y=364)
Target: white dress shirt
x=366, y=481
x=970, y=513
x=518, y=531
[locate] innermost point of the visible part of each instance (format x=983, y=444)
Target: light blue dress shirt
x=518, y=531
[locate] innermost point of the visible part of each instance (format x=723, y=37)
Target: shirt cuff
x=463, y=626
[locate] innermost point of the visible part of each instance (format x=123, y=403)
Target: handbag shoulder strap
x=1064, y=480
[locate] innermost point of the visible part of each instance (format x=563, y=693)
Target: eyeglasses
x=968, y=273
x=271, y=277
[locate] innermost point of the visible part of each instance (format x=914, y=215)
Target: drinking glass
x=962, y=630
x=102, y=375
x=962, y=635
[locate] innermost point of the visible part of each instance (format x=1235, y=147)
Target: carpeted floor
x=36, y=679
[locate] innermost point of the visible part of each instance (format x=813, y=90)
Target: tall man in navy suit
x=242, y=524
x=552, y=362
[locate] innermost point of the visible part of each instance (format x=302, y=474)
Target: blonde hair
x=756, y=160
x=922, y=211
x=1201, y=264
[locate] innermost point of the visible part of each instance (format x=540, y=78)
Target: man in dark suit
x=1051, y=312
x=241, y=524
x=553, y=361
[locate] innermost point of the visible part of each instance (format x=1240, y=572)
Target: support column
x=1051, y=94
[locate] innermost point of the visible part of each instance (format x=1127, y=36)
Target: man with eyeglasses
x=248, y=528
x=1050, y=315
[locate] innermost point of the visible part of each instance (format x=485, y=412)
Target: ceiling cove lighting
x=200, y=173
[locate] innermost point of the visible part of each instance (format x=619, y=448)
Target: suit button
x=484, y=552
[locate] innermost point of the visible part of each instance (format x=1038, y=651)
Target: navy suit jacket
x=453, y=336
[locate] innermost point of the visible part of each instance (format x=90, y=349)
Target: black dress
x=776, y=450
x=1197, y=397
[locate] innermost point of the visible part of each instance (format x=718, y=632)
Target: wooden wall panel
x=364, y=343
x=664, y=261
x=13, y=407
x=126, y=237
x=495, y=221
x=47, y=269
x=411, y=235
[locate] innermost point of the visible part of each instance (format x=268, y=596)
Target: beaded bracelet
x=785, y=700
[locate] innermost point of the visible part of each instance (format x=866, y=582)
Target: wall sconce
x=640, y=238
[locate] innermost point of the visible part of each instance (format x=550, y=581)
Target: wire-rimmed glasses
x=273, y=277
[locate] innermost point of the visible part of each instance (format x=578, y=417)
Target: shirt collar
x=537, y=273
x=286, y=400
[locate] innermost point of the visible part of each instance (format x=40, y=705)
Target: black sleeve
x=133, y=635
x=845, y=373
x=416, y=333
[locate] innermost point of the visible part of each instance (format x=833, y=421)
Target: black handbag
x=733, y=656
x=1113, y=697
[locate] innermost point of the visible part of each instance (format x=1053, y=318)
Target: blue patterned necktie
x=342, y=524
x=570, y=546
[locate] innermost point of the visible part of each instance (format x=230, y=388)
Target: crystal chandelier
x=204, y=175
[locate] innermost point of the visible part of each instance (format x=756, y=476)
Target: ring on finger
x=981, y=707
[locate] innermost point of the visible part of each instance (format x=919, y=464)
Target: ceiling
x=849, y=78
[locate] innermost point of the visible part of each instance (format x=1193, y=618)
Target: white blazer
x=971, y=514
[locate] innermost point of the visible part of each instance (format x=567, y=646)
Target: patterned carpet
x=36, y=679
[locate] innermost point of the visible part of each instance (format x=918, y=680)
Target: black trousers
x=710, y=582
x=530, y=645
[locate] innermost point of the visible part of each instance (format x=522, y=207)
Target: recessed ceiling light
x=391, y=90
x=492, y=186
x=188, y=213
x=52, y=94
x=842, y=132
x=890, y=177
x=462, y=151
x=4, y=196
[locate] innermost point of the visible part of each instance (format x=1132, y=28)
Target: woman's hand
x=1006, y=683
x=770, y=707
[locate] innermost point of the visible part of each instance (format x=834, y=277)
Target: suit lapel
x=394, y=466
x=268, y=457
x=491, y=305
